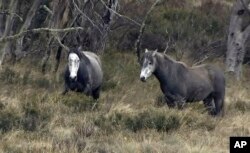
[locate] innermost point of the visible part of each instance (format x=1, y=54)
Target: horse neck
x=166, y=70
x=84, y=58
x=84, y=66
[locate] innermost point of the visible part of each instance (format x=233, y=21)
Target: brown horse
x=180, y=83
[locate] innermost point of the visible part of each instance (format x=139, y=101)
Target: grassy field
x=129, y=117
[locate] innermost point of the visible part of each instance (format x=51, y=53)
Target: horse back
x=213, y=74
x=95, y=68
x=217, y=78
x=202, y=80
x=92, y=56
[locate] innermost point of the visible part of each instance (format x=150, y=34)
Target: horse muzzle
x=143, y=79
x=73, y=79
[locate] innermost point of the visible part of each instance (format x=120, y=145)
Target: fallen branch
x=38, y=30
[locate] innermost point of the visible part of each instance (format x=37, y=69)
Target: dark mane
x=168, y=58
x=80, y=54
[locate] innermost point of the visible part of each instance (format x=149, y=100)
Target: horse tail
x=219, y=98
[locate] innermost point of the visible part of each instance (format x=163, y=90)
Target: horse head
x=148, y=64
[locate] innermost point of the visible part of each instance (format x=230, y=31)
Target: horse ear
x=79, y=48
x=155, y=51
x=146, y=50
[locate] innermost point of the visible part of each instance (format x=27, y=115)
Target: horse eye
x=150, y=63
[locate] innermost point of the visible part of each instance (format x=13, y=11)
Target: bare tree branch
x=11, y=13
x=38, y=30
x=120, y=15
x=169, y=43
x=60, y=43
x=142, y=29
x=201, y=60
x=8, y=47
x=47, y=9
x=245, y=6
x=92, y=22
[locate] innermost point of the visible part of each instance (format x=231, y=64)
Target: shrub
x=198, y=122
x=8, y=120
x=42, y=83
x=8, y=76
x=36, y=113
x=240, y=105
x=79, y=102
x=26, y=78
x=157, y=121
x=144, y=120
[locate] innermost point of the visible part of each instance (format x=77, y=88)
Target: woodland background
x=130, y=116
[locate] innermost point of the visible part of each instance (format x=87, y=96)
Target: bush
x=8, y=76
x=8, y=120
x=26, y=78
x=147, y=120
x=36, y=113
x=42, y=83
x=79, y=102
x=199, y=122
x=240, y=105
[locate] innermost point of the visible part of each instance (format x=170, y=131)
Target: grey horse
x=83, y=73
x=180, y=83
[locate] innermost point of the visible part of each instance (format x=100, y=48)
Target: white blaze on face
x=74, y=63
x=147, y=69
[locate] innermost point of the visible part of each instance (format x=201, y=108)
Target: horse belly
x=96, y=73
x=97, y=78
x=199, y=94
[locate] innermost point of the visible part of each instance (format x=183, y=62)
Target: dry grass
x=34, y=117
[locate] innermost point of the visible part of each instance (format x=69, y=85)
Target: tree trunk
x=92, y=17
x=239, y=30
x=107, y=20
x=26, y=25
x=8, y=47
x=2, y=18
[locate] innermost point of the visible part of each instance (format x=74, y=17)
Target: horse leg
x=180, y=101
x=219, y=105
x=96, y=93
x=175, y=100
x=66, y=89
x=170, y=101
x=87, y=90
x=209, y=105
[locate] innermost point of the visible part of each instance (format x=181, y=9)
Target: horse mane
x=80, y=54
x=168, y=58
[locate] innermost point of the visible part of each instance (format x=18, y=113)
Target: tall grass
x=127, y=117
x=130, y=116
